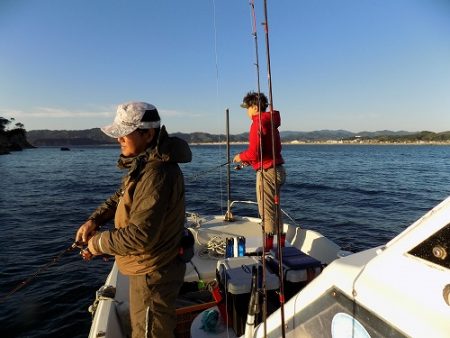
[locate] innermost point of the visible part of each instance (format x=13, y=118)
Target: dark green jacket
x=148, y=209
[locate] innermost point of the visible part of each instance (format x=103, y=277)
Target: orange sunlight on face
x=135, y=143
x=252, y=110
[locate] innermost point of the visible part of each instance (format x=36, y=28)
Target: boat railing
x=253, y=202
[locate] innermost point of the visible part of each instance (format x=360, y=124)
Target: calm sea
x=359, y=196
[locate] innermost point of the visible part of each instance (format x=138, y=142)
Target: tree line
x=13, y=139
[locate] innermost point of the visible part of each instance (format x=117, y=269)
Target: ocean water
x=359, y=196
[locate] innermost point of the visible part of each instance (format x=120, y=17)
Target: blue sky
x=336, y=64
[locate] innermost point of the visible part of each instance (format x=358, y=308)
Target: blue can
x=241, y=246
x=229, y=247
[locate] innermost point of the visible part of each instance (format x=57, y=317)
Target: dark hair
x=151, y=116
x=257, y=99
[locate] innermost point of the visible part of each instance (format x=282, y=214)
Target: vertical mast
x=228, y=215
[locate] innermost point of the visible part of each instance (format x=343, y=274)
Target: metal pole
x=228, y=215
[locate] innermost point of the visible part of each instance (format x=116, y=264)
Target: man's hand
x=237, y=159
x=85, y=231
x=86, y=254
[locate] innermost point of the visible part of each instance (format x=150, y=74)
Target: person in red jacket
x=260, y=156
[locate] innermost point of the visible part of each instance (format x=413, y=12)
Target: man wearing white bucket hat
x=148, y=212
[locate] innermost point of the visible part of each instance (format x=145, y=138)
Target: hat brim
x=116, y=131
x=244, y=105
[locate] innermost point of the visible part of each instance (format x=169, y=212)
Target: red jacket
x=252, y=154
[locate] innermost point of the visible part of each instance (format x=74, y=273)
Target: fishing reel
x=84, y=250
x=241, y=165
x=85, y=253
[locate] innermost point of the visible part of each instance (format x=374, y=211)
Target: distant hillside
x=96, y=137
x=327, y=135
x=423, y=136
x=93, y=136
x=14, y=139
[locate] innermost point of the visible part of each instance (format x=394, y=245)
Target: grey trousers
x=152, y=301
x=265, y=195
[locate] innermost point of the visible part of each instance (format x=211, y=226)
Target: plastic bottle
x=229, y=247
x=241, y=246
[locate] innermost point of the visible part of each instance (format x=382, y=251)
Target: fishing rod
x=253, y=305
x=262, y=198
x=43, y=268
x=276, y=197
x=255, y=37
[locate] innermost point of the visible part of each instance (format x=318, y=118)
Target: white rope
x=214, y=248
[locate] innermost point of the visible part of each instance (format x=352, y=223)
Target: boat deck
x=111, y=314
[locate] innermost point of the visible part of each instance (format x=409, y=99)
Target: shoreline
x=291, y=143
x=332, y=142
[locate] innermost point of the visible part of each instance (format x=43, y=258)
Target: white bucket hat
x=129, y=118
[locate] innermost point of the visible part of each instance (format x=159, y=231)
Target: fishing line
x=206, y=171
x=40, y=270
x=216, y=62
x=216, y=58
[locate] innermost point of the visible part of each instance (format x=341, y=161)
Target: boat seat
x=316, y=245
x=290, y=231
x=297, y=265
